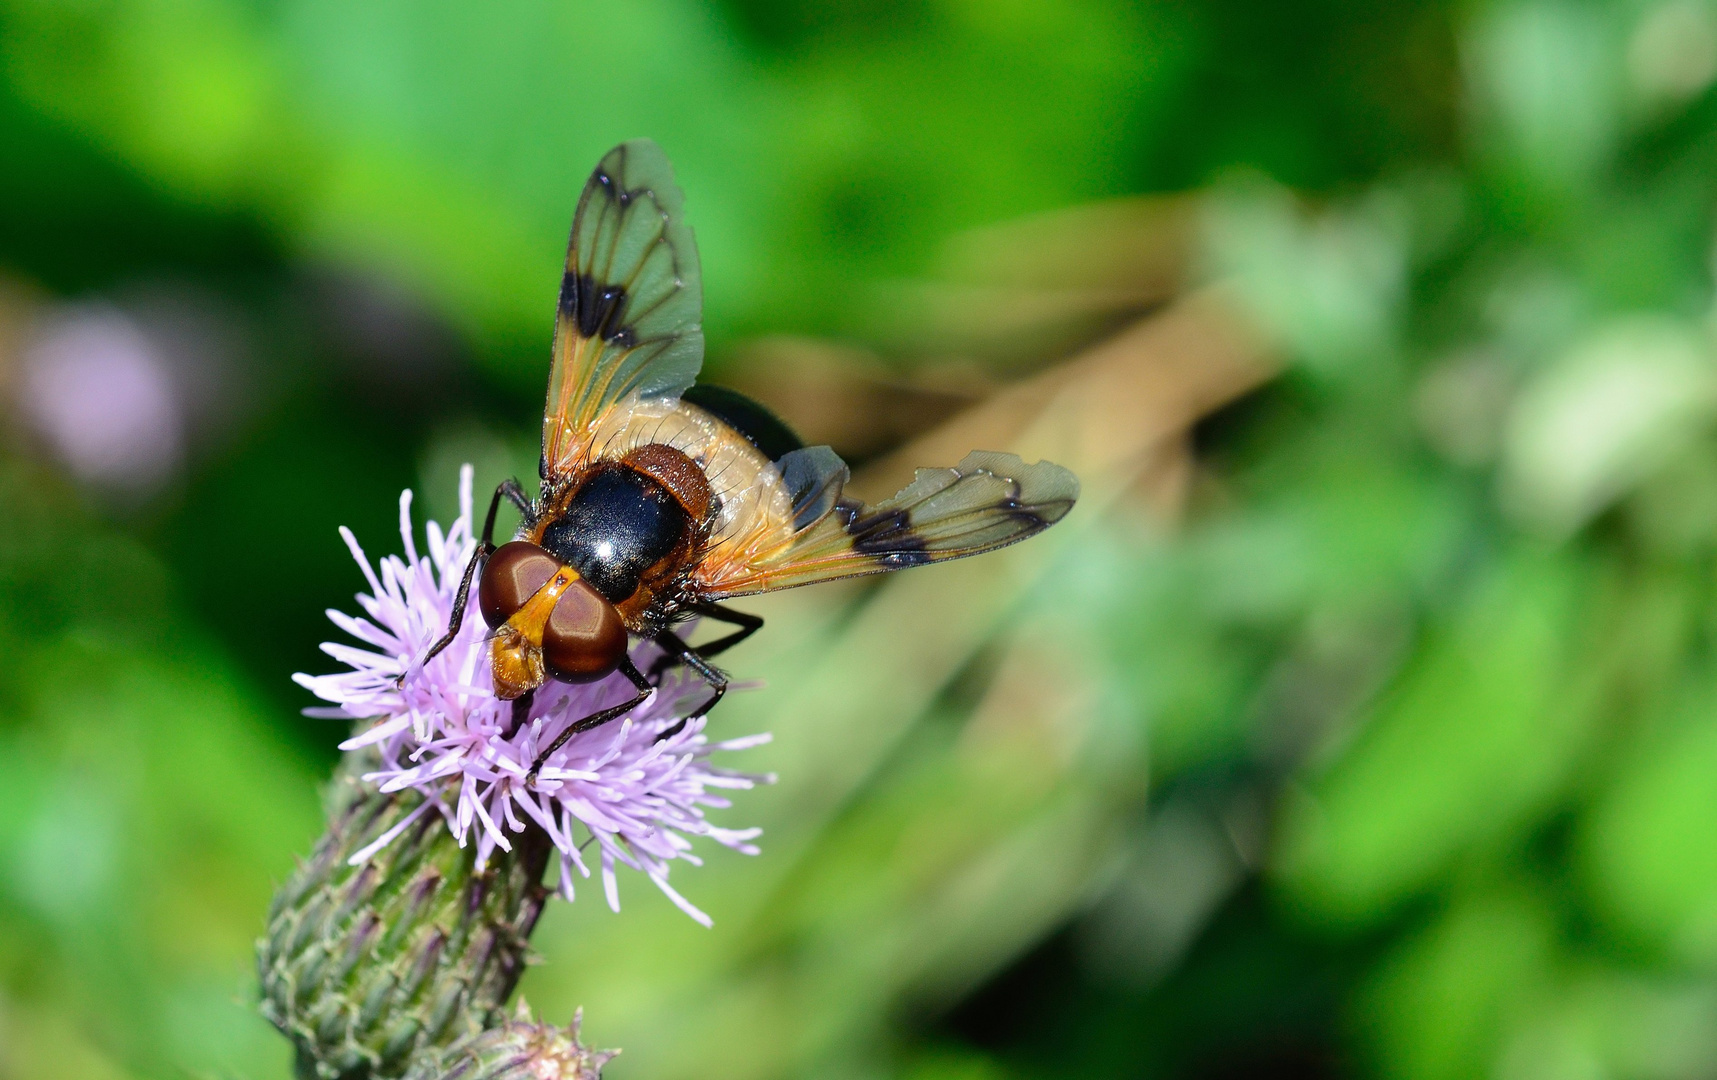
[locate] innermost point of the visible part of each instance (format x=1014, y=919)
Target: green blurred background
x=1362, y=721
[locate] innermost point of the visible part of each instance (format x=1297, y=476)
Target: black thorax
x=617, y=525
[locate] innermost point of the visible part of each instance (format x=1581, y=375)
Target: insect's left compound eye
x=514, y=572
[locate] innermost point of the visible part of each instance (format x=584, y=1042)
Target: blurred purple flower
x=96, y=388
x=641, y=800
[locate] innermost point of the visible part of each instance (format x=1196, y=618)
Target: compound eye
x=512, y=575
x=584, y=639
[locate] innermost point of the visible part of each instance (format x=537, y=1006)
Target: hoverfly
x=660, y=498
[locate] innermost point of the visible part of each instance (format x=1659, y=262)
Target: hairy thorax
x=631, y=527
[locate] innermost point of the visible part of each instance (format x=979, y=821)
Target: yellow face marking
x=516, y=657
x=531, y=619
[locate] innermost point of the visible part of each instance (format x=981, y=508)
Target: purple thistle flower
x=639, y=799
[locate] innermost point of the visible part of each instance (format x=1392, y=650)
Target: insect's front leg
x=596, y=719
x=511, y=490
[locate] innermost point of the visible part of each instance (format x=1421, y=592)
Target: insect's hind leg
x=515, y=494
x=748, y=624
x=596, y=719
x=694, y=659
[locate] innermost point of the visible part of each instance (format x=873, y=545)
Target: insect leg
x=596, y=719
x=515, y=495
x=693, y=659
x=748, y=624
x=521, y=709
x=485, y=547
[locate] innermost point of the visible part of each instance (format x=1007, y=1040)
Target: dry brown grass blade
x=1111, y=406
x=1023, y=291
x=1141, y=245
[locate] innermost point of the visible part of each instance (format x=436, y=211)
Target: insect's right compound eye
x=584, y=639
x=512, y=575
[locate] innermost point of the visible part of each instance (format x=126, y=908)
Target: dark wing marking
x=630, y=300
x=987, y=501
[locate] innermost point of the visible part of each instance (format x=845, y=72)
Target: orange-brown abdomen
x=678, y=474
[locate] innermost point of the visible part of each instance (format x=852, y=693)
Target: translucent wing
x=766, y=431
x=987, y=501
x=630, y=301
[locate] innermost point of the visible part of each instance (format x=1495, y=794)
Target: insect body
x=660, y=498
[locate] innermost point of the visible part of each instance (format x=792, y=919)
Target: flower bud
x=517, y=1049
x=367, y=966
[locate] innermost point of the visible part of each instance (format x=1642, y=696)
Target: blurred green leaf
x=1440, y=1006
x=1620, y=405
x=1465, y=749
x=1547, y=75
x=1645, y=844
